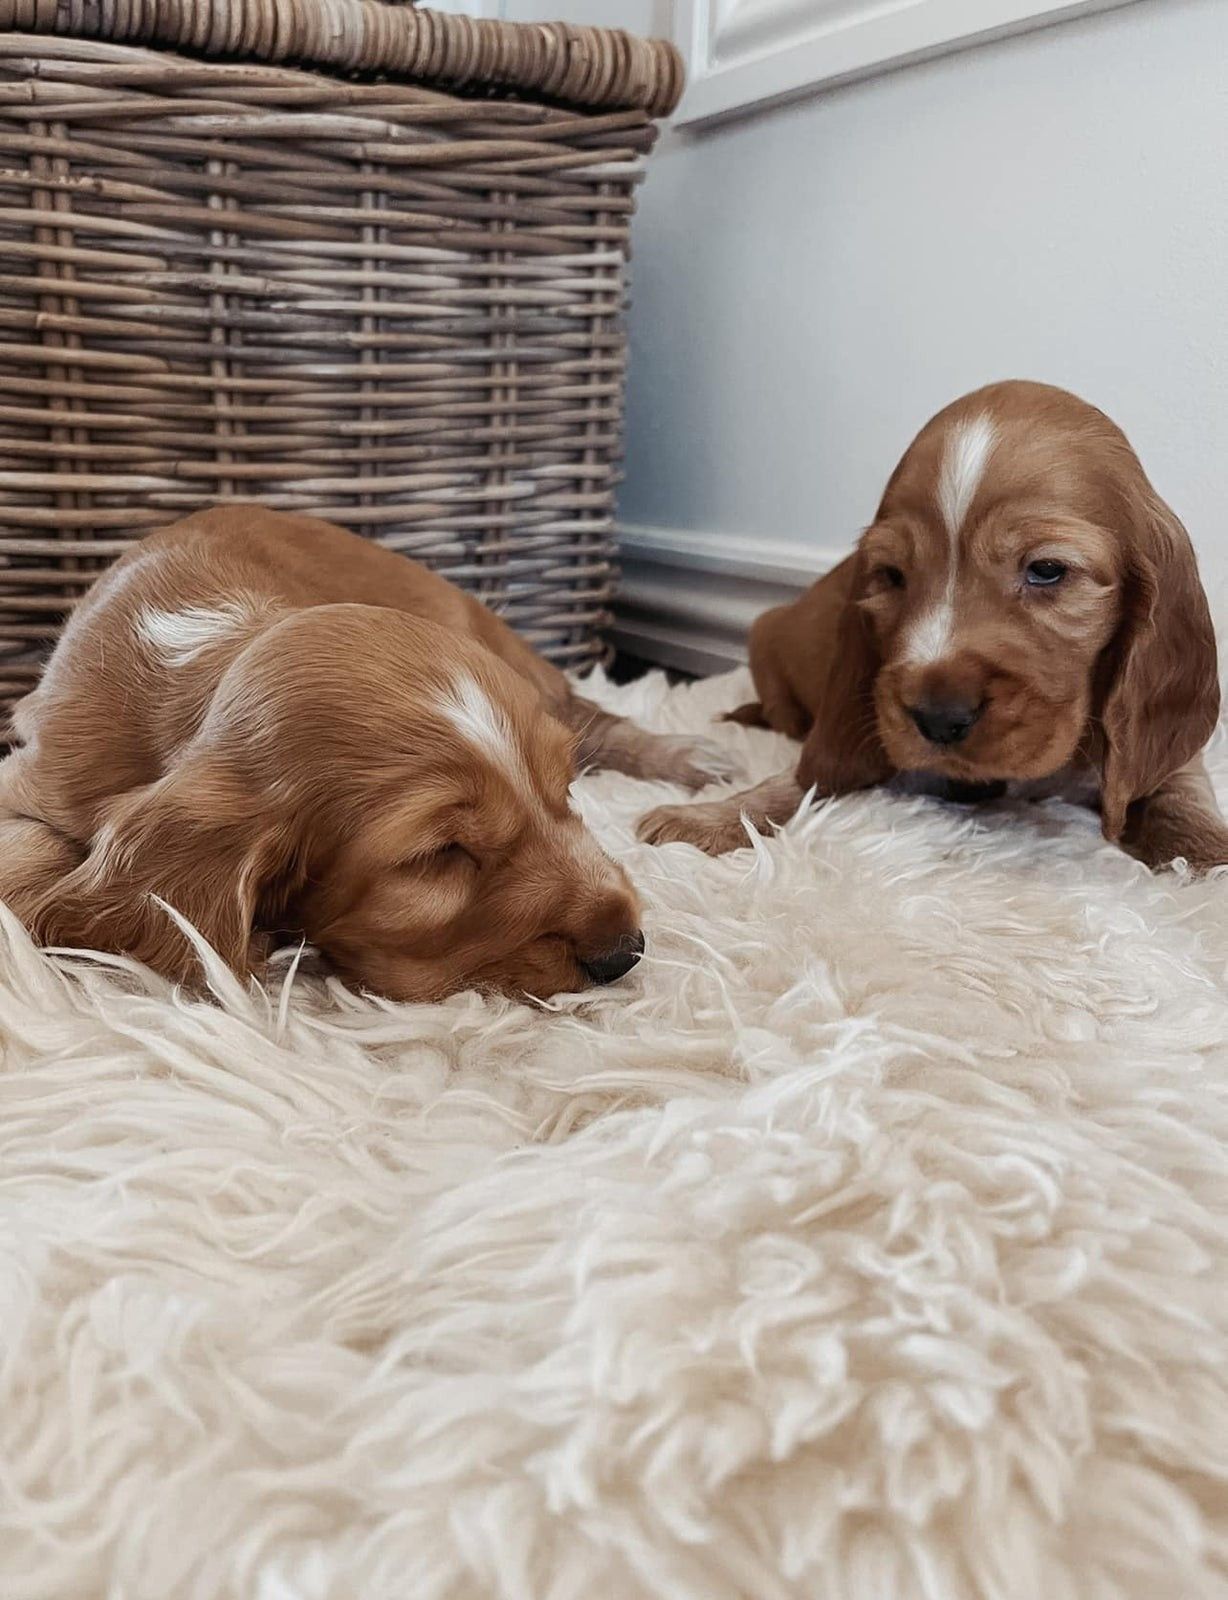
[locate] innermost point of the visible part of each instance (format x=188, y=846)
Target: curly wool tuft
x=869, y=1241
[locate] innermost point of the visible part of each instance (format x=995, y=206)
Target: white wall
x=649, y=17
x=652, y=18
x=812, y=282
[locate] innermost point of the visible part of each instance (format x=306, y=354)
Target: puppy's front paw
x=1200, y=857
x=1202, y=847
x=696, y=762
x=713, y=828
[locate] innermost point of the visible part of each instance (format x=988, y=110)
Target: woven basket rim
x=585, y=68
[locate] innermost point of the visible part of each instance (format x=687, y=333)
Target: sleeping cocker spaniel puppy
x=1023, y=614
x=273, y=725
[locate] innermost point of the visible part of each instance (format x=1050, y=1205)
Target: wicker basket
x=317, y=285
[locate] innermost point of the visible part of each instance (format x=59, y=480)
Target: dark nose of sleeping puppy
x=617, y=961
x=945, y=721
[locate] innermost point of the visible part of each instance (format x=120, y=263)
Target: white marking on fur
x=178, y=637
x=477, y=719
x=930, y=635
x=968, y=448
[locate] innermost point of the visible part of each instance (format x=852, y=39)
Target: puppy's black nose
x=617, y=961
x=945, y=721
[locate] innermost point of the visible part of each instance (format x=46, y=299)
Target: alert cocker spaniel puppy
x=1023, y=615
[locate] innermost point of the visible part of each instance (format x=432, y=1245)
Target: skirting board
x=687, y=599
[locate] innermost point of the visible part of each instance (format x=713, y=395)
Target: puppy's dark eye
x=892, y=577
x=1044, y=574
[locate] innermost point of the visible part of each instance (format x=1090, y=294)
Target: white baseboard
x=687, y=599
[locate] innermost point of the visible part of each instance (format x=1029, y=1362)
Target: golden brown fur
x=1103, y=678
x=273, y=725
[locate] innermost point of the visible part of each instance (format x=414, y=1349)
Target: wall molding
x=687, y=599
x=744, y=54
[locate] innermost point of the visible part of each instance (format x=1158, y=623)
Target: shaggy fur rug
x=867, y=1244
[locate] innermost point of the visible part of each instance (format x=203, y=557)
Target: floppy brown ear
x=196, y=839
x=1162, y=699
x=843, y=750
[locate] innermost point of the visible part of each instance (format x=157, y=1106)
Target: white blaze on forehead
x=178, y=637
x=969, y=446
x=481, y=723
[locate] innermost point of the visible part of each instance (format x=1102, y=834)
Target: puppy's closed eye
x=446, y=858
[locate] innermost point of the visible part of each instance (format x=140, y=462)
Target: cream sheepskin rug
x=867, y=1244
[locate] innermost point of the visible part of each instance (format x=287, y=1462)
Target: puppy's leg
x=777, y=706
x=716, y=825
x=616, y=744
x=1180, y=819
x=751, y=715
x=785, y=715
x=33, y=858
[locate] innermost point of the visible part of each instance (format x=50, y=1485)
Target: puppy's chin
x=531, y=980
x=536, y=975
x=993, y=753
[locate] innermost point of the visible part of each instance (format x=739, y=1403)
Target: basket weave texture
x=386, y=304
